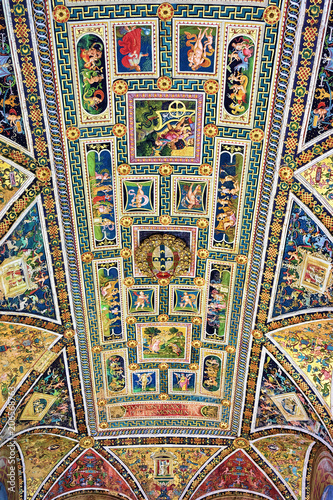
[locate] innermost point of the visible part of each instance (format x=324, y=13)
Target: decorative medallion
x=87, y=257
x=230, y=349
x=163, y=396
x=119, y=130
x=130, y=320
x=125, y=253
x=211, y=130
x=61, y=14
x=163, y=366
x=164, y=281
x=211, y=87
x=124, y=169
x=272, y=14
x=202, y=223
x=72, y=133
x=286, y=173
x=165, y=220
x=133, y=366
x=196, y=320
x=194, y=366
x=164, y=83
x=241, y=259
x=166, y=169
x=196, y=343
x=87, y=442
x=257, y=334
x=199, y=281
x=120, y=87
x=241, y=443
x=129, y=281
x=69, y=334
x=165, y=12
x=43, y=174
x=256, y=135
x=131, y=344
x=203, y=253
x=163, y=256
x=97, y=349
x=205, y=169
x=162, y=318
x=126, y=221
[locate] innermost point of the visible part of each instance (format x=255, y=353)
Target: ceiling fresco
x=166, y=250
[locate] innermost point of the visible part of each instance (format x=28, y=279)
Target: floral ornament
x=256, y=135
x=165, y=220
x=241, y=443
x=165, y=169
x=132, y=344
x=119, y=130
x=125, y=253
x=205, y=169
x=257, y=334
x=87, y=257
x=164, y=83
x=43, y=174
x=165, y=12
x=61, y=14
x=103, y=425
x=194, y=366
x=126, y=221
x=163, y=396
x=164, y=281
x=97, y=349
x=120, y=87
x=202, y=223
x=72, y=133
x=124, y=169
x=211, y=130
x=87, y=442
x=196, y=344
x=286, y=173
x=241, y=259
x=272, y=14
x=223, y=425
x=129, y=281
x=130, y=320
x=133, y=366
x=203, y=253
x=196, y=320
x=101, y=402
x=211, y=87
x=162, y=318
x=199, y=281
x=230, y=349
x=225, y=402
x=163, y=366
x=69, y=334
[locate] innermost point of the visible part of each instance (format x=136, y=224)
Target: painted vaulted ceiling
x=166, y=250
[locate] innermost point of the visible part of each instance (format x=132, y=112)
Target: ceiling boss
x=163, y=256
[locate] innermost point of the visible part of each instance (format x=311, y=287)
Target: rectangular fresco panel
x=165, y=127
x=163, y=342
x=135, y=48
x=212, y=372
x=220, y=278
x=190, y=196
x=114, y=371
x=182, y=381
x=99, y=178
x=130, y=411
x=139, y=195
x=241, y=48
x=109, y=300
x=196, y=49
x=90, y=48
x=185, y=300
x=231, y=161
x=142, y=300
x=145, y=382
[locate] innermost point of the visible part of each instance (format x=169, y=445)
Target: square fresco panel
x=163, y=341
x=165, y=127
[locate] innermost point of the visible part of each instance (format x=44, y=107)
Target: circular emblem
x=194, y=366
x=72, y=133
x=223, y=425
x=124, y=169
x=165, y=220
x=196, y=344
x=211, y=87
x=256, y=135
x=203, y=253
x=225, y=402
x=126, y=221
x=202, y=223
x=120, y=87
x=272, y=14
x=286, y=173
x=165, y=12
x=199, y=281
x=97, y=349
x=241, y=443
x=165, y=169
x=87, y=442
x=257, y=334
x=129, y=281
x=211, y=130
x=205, y=169
x=162, y=318
x=119, y=130
x=69, y=334
x=130, y=320
x=164, y=282
x=196, y=320
x=163, y=256
x=133, y=366
x=241, y=259
x=164, y=83
x=163, y=396
x=61, y=14
x=117, y=411
x=230, y=349
x=103, y=425
x=102, y=402
x=132, y=344
x=87, y=257
x=43, y=174
x=125, y=253
x=163, y=366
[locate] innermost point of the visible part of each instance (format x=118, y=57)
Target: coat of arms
x=163, y=256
